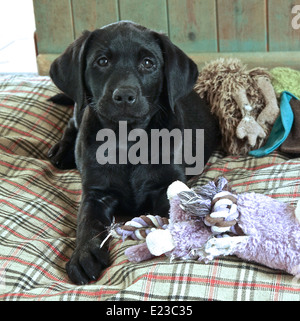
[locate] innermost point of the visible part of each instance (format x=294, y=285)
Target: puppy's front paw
x=87, y=262
x=62, y=156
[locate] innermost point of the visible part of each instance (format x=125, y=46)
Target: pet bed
x=38, y=206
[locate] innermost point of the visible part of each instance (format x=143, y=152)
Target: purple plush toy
x=210, y=221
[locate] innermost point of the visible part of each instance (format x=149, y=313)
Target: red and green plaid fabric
x=38, y=206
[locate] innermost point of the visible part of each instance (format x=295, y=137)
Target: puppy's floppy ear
x=180, y=71
x=67, y=71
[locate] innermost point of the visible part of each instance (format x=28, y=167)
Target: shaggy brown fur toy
x=244, y=102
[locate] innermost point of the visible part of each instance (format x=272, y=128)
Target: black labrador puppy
x=123, y=72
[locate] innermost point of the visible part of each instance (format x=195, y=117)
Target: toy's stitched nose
x=124, y=95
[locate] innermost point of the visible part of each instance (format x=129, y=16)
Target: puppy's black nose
x=124, y=95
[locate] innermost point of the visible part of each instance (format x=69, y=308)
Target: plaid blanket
x=38, y=206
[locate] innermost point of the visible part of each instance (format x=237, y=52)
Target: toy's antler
x=271, y=111
x=248, y=127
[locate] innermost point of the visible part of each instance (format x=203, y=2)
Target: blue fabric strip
x=281, y=127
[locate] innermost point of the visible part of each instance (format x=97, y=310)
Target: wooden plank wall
x=196, y=26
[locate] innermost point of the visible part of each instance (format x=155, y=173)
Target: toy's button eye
x=103, y=62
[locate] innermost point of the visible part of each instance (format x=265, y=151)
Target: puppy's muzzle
x=125, y=96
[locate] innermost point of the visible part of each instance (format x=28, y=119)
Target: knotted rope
x=216, y=203
x=139, y=227
x=224, y=215
x=213, y=203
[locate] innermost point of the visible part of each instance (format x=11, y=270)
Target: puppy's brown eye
x=103, y=62
x=148, y=63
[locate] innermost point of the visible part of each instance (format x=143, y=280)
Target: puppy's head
x=124, y=71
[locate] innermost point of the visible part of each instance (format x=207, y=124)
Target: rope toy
x=211, y=220
x=215, y=202
x=139, y=227
x=223, y=217
x=224, y=213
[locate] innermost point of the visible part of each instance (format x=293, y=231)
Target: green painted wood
x=93, y=14
x=199, y=27
x=242, y=25
x=54, y=26
x=267, y=60
x=193, y=25
x=282, y=35
x=151, y=13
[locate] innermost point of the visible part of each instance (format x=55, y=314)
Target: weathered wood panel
x=93, y=14
x=240, y=28
x=151, y=14
x=253, y=59
x=242, y=25
x=54, y=25
x=193, y=25
x=282, y=35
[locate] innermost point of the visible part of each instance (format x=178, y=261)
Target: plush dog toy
x=210, y=221
x=243, y=100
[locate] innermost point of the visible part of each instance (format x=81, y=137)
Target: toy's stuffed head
x=243, y=100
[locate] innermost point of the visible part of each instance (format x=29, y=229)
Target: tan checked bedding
x=38, y=206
